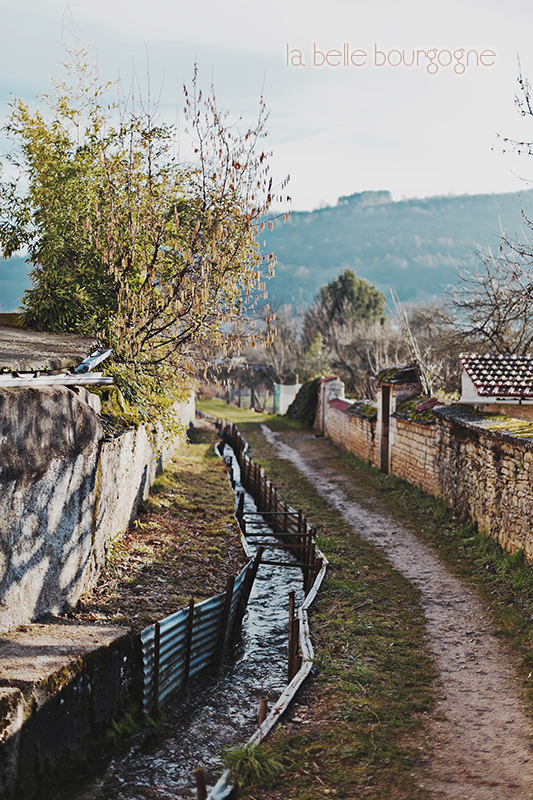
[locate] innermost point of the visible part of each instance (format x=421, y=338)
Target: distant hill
x=13, y=281
x=408, y=245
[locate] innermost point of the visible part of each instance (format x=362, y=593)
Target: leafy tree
x=156, y=258
x=316, y=360
x=349, y=317
x=346, y=299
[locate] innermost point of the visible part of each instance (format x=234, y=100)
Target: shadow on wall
x=64, y=491
x=49, y=444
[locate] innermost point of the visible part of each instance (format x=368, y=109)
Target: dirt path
x=482, y=738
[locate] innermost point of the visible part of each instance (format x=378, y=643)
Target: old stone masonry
x=481, y=734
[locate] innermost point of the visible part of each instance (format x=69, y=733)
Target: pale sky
x=335, y=129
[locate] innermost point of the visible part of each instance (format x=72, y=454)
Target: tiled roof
x=341, y=405
x=504, y=375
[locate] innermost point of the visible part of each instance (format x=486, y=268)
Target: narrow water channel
x=219, y=710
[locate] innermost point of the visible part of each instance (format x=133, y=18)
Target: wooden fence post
x=157, y=650
x=300, y=528
x=291, y=634
x=188, y=643
x=219, y=654
x=240, y=507
x=201, y=789
x=263, y=708
x=295, y=661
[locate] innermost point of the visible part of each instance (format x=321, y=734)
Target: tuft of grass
x=251, y=765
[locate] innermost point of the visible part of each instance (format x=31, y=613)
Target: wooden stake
x=240, y=506
x=291, y=633
x=188, y=643
x=263, y=708
x=201, y=789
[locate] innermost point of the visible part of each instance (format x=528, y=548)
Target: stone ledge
x=61, y=686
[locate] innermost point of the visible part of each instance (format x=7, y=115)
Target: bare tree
x=281, y=356
x=493, y=301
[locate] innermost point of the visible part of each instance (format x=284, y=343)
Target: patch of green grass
x=221, y=410
x=251, y=765
x=365, y=707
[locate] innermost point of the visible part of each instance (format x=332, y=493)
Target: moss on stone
x=519, y=428
x=117, y=414
x=498, y=423
x=407, y=410
x=364, y=410
x=405, y=373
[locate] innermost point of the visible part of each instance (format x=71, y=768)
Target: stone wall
x=413, y=454
x=487, y=476
x=357, y=435
x=62, y=686
x=481, y=473
x=65, y=490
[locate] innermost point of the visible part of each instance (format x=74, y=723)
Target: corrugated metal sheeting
x=266, y=497
x=181, y=645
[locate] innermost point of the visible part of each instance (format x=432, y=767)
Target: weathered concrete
x=65, y=491
x=49, y=452
x=61, y=685
x=26, y=351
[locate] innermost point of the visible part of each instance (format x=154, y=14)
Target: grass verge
x=184, y=543
x=354, y=731
x=358, y=728
x=218, y=408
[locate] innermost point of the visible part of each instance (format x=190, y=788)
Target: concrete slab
x=27, y=351
x=33, y=653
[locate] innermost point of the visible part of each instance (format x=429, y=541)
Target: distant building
x=283, y=396
x=498, y=383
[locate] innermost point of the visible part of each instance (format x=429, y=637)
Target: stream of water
x=218, y=711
